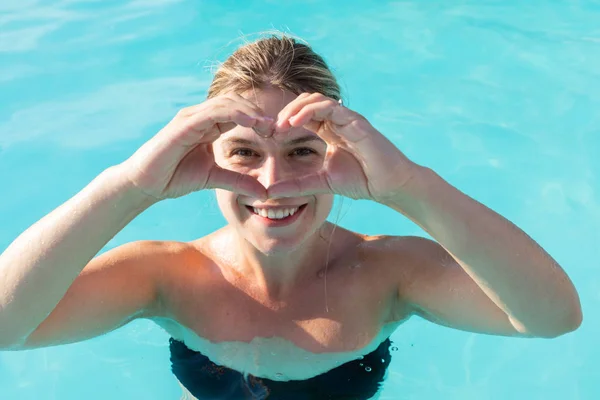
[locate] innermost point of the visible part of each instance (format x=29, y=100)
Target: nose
x=273, y=170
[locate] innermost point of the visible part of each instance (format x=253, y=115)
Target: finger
x=229, y=110
x=320, y=111
x=293, y=107
x=219, y=101
x=328, y=109
x=243, y=100
x=251, y=109
x=245, y=116
x=302, y=186
x=235, y=182
x=236, y=102
x=345, y=126
x=314, y=115
x=224, y=100
x=264, y=123
x=225, y=116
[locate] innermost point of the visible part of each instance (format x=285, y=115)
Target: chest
x=333, y=321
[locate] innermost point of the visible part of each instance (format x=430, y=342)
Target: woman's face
x=273, y=225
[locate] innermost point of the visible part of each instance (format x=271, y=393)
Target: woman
x=280, y=303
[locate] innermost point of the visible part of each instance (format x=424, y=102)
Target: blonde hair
x=276, y=60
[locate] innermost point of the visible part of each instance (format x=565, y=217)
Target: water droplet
x=368, y=369
x=279, y=375
x=361, y=364
x=361, y=357
x=382, y=360
x=394, y=348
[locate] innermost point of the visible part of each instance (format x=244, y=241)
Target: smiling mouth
x=276, y=214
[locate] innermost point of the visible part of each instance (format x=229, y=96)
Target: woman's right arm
x=38, y=269
x=53, y=290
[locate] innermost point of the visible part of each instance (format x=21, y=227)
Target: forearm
x=39, y=266
x=511, y=268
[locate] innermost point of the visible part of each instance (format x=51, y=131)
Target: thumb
x=220, y=178
x=302, y=186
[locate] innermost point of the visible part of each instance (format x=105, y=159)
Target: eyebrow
x=293, y=142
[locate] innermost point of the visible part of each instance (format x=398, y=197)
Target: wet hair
x=275, y=60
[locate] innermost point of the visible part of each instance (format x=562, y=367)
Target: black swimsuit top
x=354, y=380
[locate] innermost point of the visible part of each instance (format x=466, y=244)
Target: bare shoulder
x=411, y=259
x=188, y=270
x=114, y=288
x=172, y=258
x=407, y=263
x=145, y=249
x=164, y=264
x=405, y=252
x=144, y=255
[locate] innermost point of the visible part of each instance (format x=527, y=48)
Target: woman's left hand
x=360, y=162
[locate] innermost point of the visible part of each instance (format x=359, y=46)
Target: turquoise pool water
x=500, y=98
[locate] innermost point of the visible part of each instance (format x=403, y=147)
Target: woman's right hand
x=179, y=160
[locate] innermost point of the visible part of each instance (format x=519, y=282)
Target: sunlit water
x=500, y=98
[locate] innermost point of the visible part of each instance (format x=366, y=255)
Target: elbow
x=553, y=326
x=560, y=330
x=569, y=318
x=574, y=316
x=573, y=321
x=9, y=339
x=568, y=323
x=11, y=345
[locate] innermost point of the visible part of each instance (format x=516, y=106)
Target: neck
x=279, y=274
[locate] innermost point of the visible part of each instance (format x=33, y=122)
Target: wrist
x=119, y=183
x=414, y=191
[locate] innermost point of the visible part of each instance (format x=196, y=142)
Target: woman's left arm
x=518, y=276
x=504, y=278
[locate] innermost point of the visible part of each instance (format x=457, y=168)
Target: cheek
x=325, y=202
x=227, y=202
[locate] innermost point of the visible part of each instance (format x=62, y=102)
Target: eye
x=244, y=153
x=303, y=151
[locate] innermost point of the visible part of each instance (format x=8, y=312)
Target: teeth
x=275, y=214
